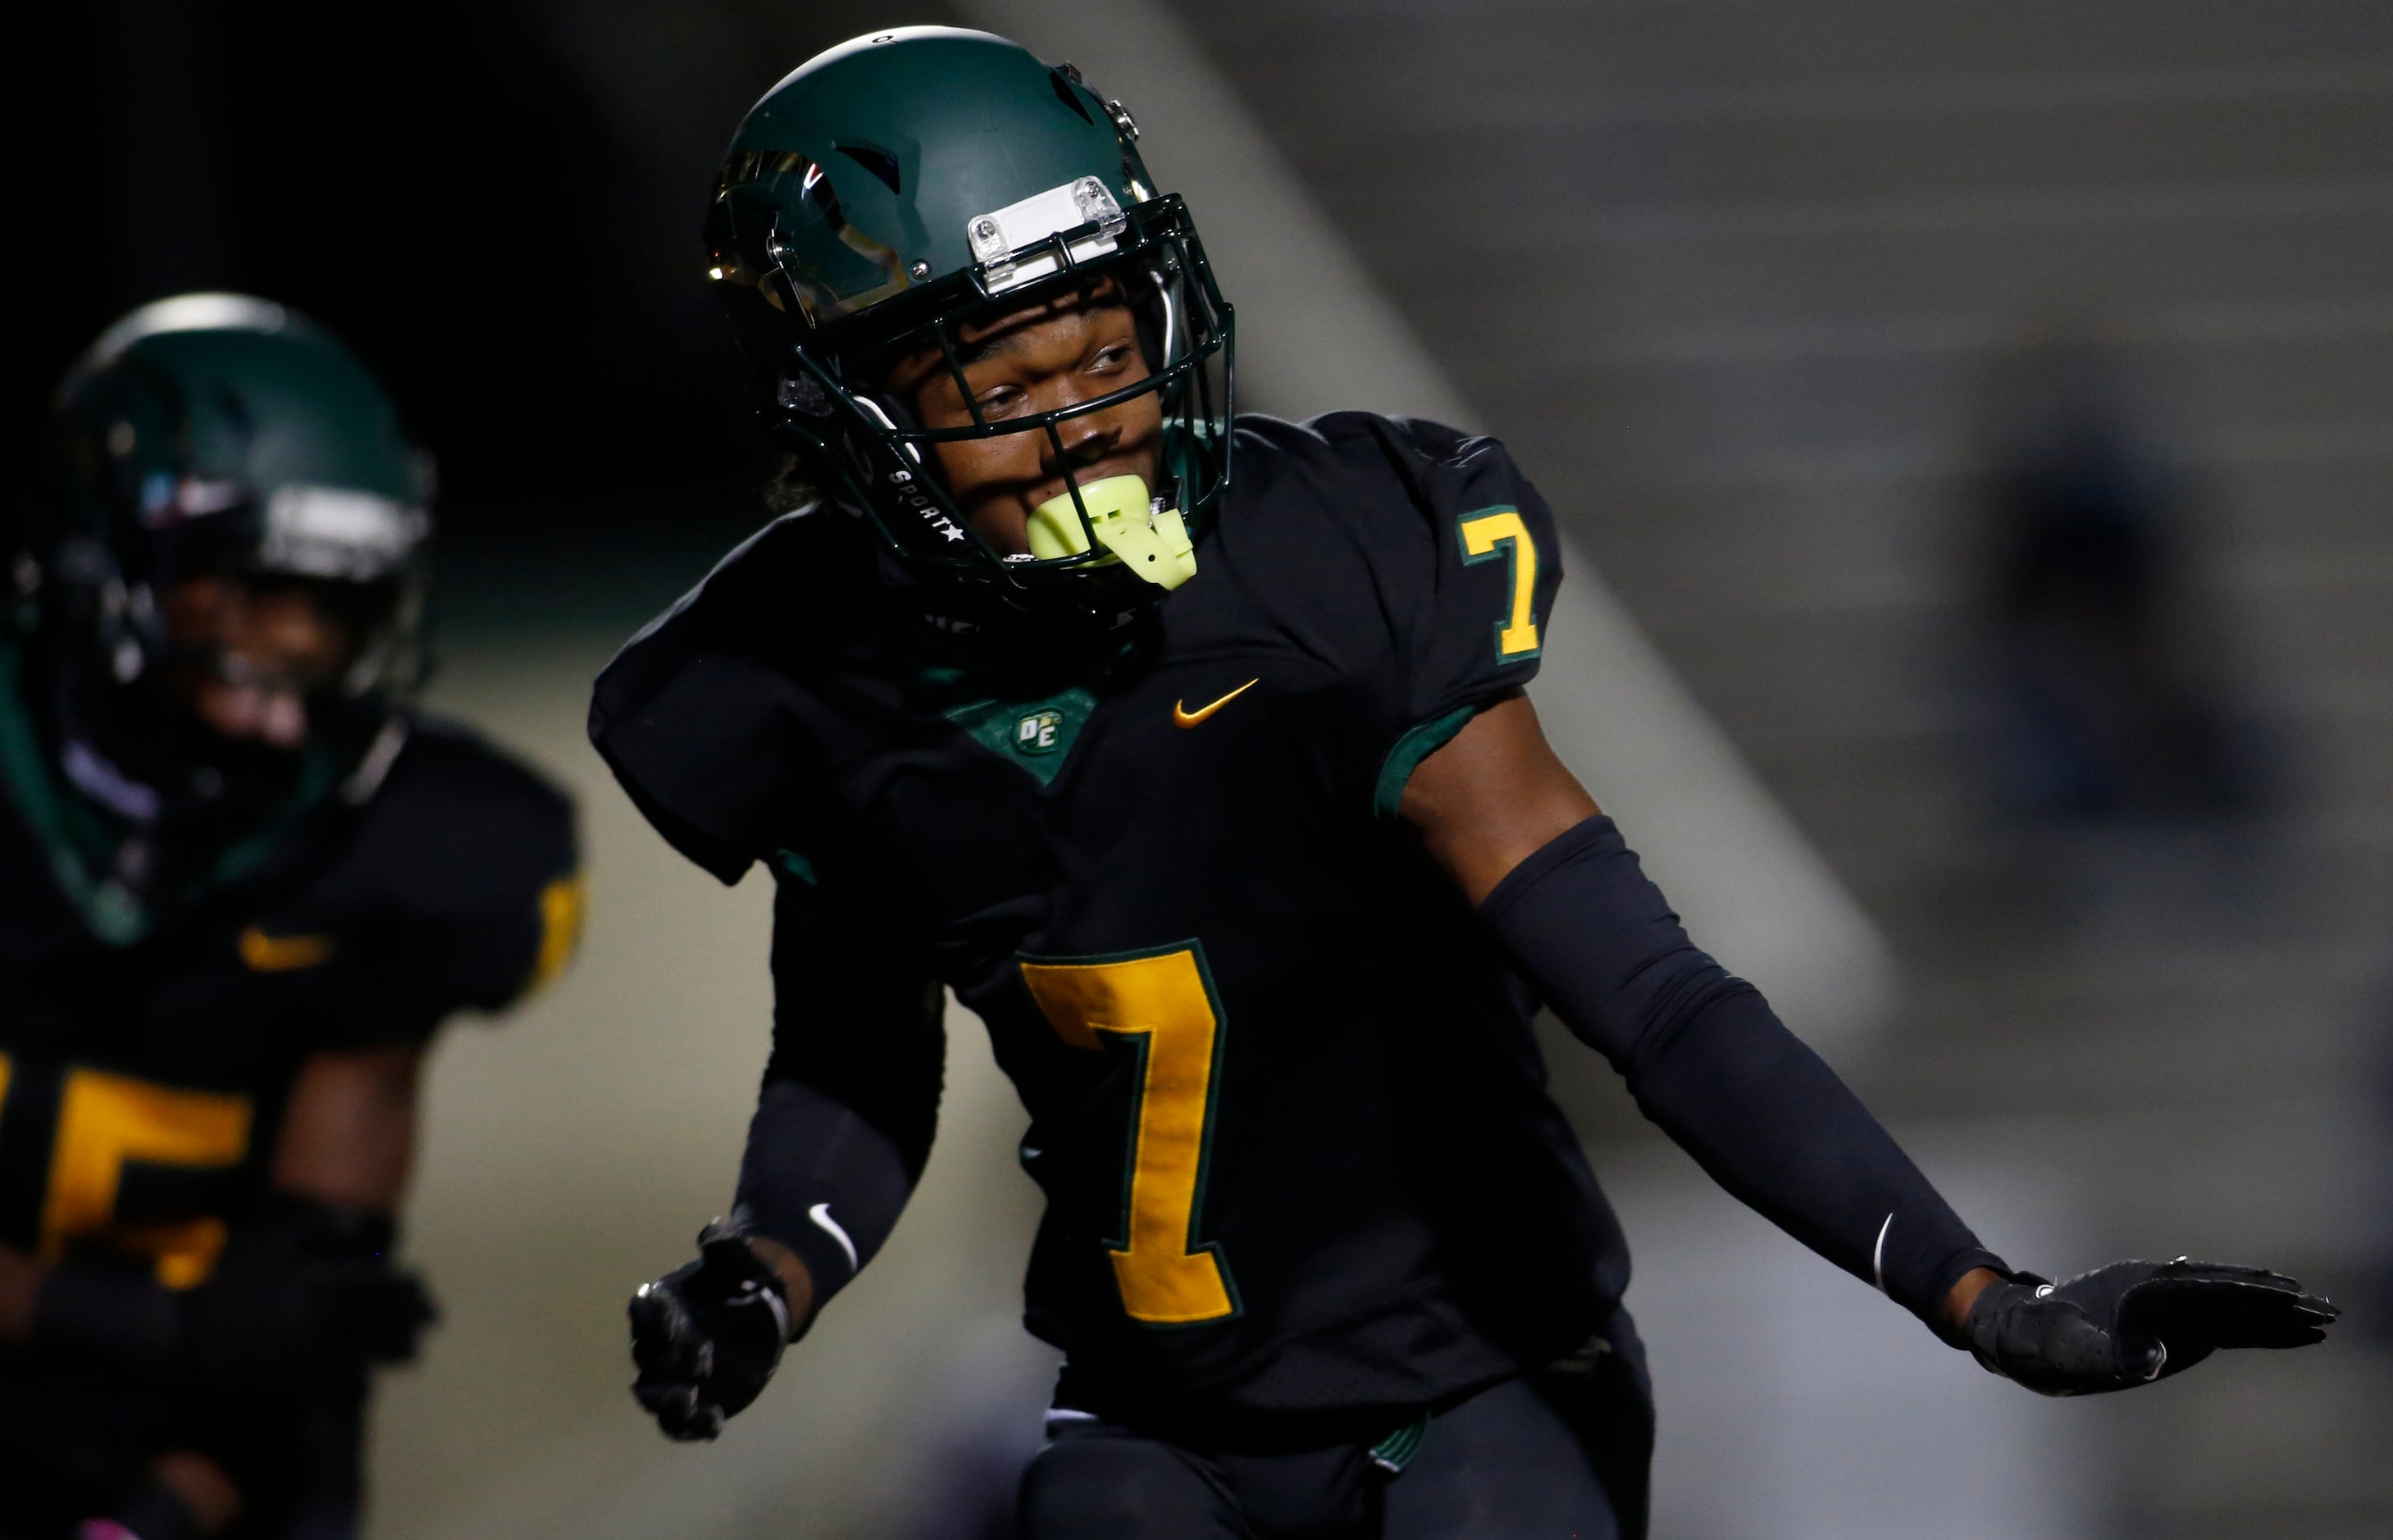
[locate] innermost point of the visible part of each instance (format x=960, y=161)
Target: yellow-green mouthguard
x=1141, y=533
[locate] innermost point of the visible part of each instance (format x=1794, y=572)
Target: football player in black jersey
x=241, y=885
x=1219, y=800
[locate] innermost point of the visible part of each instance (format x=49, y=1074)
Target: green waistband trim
x=1396, y=1450
x=1406, y=757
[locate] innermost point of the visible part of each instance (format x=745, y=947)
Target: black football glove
x=305, y=1299
x=708, y=1336
x=2132, y=1323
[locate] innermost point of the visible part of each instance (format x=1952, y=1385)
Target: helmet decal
x=828, y=279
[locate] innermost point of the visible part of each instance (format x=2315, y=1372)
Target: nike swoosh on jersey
x=1182, y=717
x=284, y=954
x=820, y=1214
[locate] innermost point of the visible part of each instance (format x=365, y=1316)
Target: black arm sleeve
x=851, y=1095
x=1712, y=1064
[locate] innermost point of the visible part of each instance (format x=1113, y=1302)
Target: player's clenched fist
x=707, y=1336
x=2130, y=1323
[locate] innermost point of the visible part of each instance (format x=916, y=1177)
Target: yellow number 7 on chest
x=1162, y=1004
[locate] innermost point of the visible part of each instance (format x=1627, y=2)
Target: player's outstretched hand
x=2132, y=1323
x=707, y=1336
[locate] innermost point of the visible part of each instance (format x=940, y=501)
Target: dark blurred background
x=496, y=202
x=416, y=185
x=1987, y=410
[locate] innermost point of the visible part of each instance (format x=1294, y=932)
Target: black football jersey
x=142, y=1083
x=1286, y=1107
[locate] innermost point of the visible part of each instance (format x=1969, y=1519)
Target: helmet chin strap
x=1144, y=535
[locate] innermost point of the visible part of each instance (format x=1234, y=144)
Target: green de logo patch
x=1039, y=733
x=1036, y=734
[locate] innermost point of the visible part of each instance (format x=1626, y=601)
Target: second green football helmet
x=214, y=434
x=205, y=446
x=903, y=186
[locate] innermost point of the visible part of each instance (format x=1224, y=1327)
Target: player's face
x=254, y=655
x=1043, y=358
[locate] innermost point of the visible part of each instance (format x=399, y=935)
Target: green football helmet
x=205, y=436
x=908, y=184
x=219, y=434
x=215, y=435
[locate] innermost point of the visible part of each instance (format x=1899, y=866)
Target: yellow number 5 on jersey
x=1502, y=531
x=1162, y=1003
x=106, y=1120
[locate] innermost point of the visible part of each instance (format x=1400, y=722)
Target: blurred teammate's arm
x=348, y=1137
x=303, y=1280
x=21, y=1283
x=197, y=1484
x=349, y=1131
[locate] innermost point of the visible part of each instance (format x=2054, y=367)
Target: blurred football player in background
x=242, y=884
x=1222, y=805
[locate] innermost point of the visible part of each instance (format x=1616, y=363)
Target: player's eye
x=1111, y=359
x=1000, y=400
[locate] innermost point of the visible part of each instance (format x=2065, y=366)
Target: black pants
x=1557, y=1456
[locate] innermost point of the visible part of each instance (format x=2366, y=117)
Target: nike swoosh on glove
x=2132, y=1323
x=708, y=1336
